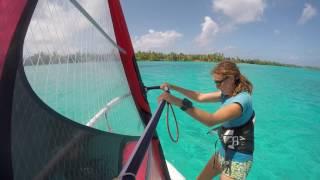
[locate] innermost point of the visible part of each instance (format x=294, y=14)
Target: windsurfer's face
x=224, y=83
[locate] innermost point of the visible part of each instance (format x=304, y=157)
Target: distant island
x=43, y=58
x=215, y=57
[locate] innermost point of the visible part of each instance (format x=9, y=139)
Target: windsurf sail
x=73, y=105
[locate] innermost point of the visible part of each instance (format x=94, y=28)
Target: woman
x=236, y=115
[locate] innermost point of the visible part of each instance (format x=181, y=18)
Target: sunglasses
x=218, y=82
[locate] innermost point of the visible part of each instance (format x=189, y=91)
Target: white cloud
x=156, y=40
x=307, y=13
x=60, y=27
x=240, y=11
x=208, y=31
x=276, y=31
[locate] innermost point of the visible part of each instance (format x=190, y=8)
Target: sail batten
x=105, y=109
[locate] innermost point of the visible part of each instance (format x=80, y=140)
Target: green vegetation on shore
x=42, y=58
x=216, y=57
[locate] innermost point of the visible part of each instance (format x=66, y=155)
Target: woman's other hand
x=165, y=86
x=170, y=99
x=165, y=96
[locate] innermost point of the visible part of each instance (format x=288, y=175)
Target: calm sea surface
x=286, y=102
x=287, y=105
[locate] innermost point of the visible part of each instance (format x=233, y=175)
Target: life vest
x=239, y=139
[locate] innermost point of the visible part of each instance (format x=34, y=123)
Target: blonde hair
x=229, y=68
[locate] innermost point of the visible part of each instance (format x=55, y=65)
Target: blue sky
x=285, y=31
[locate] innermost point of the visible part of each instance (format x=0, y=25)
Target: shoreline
x=42, y=58
x=263, y=64
x=215, y=58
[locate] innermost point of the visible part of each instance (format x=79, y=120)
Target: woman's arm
x=223, y=114
x=196, y=96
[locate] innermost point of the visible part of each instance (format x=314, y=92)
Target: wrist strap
x=186, y=104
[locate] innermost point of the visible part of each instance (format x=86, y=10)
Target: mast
x=139, y=94
x=128, y=59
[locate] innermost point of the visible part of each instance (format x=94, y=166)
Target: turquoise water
x=287, y=106
x=79, y=91
x=286, y=102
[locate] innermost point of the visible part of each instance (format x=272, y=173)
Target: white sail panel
x=75, y=69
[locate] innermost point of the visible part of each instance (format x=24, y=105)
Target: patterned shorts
x=238, y=170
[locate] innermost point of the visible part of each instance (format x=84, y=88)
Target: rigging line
x=141, y=147
x=95, y=24
x=175, y=121
x=167, y=114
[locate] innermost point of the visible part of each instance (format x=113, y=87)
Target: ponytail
x=242, y=84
